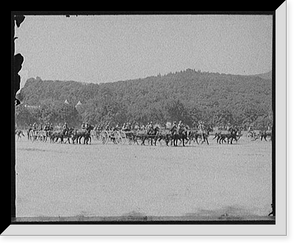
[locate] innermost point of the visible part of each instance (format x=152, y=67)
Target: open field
x=66, y=180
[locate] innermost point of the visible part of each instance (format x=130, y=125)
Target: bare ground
x=63, y=180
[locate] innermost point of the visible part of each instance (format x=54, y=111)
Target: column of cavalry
x=169, y=134
x=64, y=134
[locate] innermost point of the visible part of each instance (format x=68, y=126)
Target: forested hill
x=188, y=95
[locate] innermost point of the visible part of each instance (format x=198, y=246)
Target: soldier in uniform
x=174, y=127
x=34, y=126
x=65, y=128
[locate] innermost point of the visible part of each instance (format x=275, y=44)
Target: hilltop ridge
x=188, y=95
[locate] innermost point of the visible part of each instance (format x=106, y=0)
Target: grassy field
x=207, y=181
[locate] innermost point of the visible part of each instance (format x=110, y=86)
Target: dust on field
x=66, y=180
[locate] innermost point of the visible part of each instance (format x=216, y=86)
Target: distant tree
x=23, y=116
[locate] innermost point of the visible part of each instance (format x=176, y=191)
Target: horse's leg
x=203, y=139
x=159, y=140
x=221, y=140
x=143, y=141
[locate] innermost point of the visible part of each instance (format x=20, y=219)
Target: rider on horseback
x=149, y=128
x=174, y=127
x=180, y=126
x=65, y=128
x=116, y=128
x=34, y=126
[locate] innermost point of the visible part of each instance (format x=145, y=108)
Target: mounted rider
x=34, y=126
x=136, y=126
x=126, y=126
x=47, y=127
x=107, y=128
x=65, y=128
x=84, y=126
x=174, y=127
x=149, y=128
x=180, y=124
x=116, y=128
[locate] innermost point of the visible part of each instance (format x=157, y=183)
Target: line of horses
x=152, y=136
x=175, y=137
x=171, y=137
x=68, y=135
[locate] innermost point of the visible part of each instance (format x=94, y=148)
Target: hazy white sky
x=96, y=49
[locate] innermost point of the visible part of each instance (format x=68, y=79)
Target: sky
x=109, y=48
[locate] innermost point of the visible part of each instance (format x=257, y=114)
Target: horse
x=60, y=135
x=83, y=133
x=32, y=134
x=194, y=136
x=227, y=136
x=264, y=134
x=179, y=134
x=56, y=136
x=233, y=135
x=220, y=137
x=164, y=135
x=152, y=134
x=19, y=134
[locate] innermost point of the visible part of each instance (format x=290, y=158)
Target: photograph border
x=199, y=227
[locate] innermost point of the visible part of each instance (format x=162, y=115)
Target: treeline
x=189, y=95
